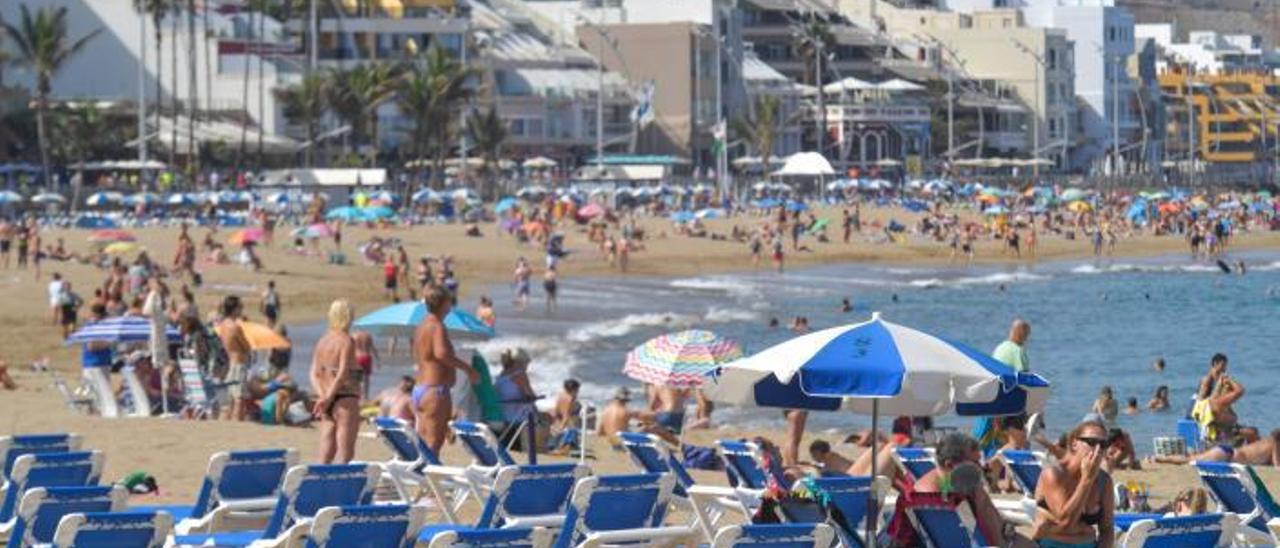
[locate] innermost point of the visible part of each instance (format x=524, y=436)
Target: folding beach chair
x=516, y=537
x=807, y=535
x=1202, y=531
x=306, y=490
x=1024, y=467
x=389, y=526
x=745, y=468
x=627, y=509
x=133, y=529
x=1234, y=491
x=245, y=484
x=708, y=503
x=78, y=401
x=941, y=524
x=72, y=469
x=480, y=442
x=199, y=392
x=96, y=387
x=915, y=462
x=1190, y=432
x=1274, y=526
x=853, y=496
x=12, y=447
x=42, y=508
x=520, y=496
x=411, y=461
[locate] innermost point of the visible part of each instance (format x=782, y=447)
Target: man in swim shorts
x=237, y=347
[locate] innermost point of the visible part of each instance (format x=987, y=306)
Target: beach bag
x=700, y=458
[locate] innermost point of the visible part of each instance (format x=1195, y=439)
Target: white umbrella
x=9, y=197
x=539, y=162
x=48, y=198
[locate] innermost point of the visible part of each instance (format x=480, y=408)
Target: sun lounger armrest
x=550, y=521
x=675, y=533
x=442, y=471
x=294, y=536
x=709, y=491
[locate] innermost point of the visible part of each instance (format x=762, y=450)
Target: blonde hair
x=340, y=315
x=436, y=296
x=1196, y=499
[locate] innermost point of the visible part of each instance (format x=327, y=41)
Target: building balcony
x=1005, y=140
x=432, y=24
x=886, y=113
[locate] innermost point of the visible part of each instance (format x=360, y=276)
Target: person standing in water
x=336, y=383
x=437, y=367
x=366, y=353
x=550, y=286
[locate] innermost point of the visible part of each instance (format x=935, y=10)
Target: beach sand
x=176, y=451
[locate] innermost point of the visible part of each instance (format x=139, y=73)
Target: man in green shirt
x=1013, y=352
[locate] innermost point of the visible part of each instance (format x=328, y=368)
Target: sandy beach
x=176, y=451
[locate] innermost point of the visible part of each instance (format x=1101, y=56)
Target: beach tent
x=806, y=164
x=400, y=320
x=877, y=367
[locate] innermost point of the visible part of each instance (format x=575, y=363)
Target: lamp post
x=1035, y=114
x=142, y=89
x=598, y=26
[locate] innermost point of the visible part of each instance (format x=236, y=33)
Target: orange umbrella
x=240, y=237
x=988, y=199
x=261, y=337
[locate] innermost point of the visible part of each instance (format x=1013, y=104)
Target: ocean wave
x=731, y=286
x=718, y=314
x=1151, y=268
x=1274, y=265
x=608, y=329
x=989, y=279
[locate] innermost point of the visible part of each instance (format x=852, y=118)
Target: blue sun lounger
x=943, y=525
x=915, y=461
x=746, y=472
x=480, y=442
x=133, y=529
x=43, y=507
x=383, y=526
x=1202, y=531
x=243, y=484
x=1234, y=491
x=627, y=509
x=12, y=447
x=71, y=469
x=518, y=537
x=806, y=535
x=707, y=502
x=526, y=495
x=853, y=496
x=1024, y=467
x=412, y=461
x=305, y=491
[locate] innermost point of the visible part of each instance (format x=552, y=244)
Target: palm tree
x=488, y=132
x=157, y=9
x=43, y=45
x=304, y=103
x=431, y=93
x=356, y=94
x=814, y=36
x=761, y=128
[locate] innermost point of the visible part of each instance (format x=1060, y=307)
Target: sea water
x=1094, y=324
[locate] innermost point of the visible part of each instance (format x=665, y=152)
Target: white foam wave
x=1127, y=267
x=731, y=286
x=1274, y=265
x=989, y=279
x=718, y=314
x=621, y=326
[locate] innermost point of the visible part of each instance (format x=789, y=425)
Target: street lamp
x=1035, y=115
x=604, y=35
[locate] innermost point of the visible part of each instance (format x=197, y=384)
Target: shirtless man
x=829, y=462
x=237, y=347
x=437, y=367
x=616, y=416
x=1264, y=452
x=396, y=401
x=336, y=383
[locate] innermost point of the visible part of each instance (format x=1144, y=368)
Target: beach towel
x=486, y=395
x=1202, y=413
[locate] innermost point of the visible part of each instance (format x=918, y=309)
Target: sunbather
x=1074, y=501
x=1264, y=452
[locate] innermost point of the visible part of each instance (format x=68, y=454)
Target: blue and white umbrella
x=682, y=216
x=48, y=198
x=180, y=199
x=426, y=195
x=505, y=204
x=9, y=197
x=278, y=198
x=98, y=199
x=400, y=320
x=119, y=329
x=878, y=366
x=142, y=198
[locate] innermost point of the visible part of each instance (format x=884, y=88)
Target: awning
x=324, y=177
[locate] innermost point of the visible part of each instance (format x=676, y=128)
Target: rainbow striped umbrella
x=680, y=359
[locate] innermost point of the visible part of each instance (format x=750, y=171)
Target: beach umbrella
x=111, y=235
x=995, y=210
x=767, y=203
x=99, y=199
x=246, y=236
x=709, y=213
x=682, y=216
x=261, y=337
x=591, y=211
x=119, y=329
x=682, y=359
x=377, y=212
x=426, y=195
x=795, y=205
x=318, y=230
x=877, y=367
x=120, y=248
x=48, y=198
x=9, y=197
x=384, y=197
x=1229, y=205
x=504, y=204
x=532, y=192
x=180, y=199
x=462, y=194
x=345, y=213
x=400, y=320
x=1073, y=194
x=1079, y=207
x=142, y=198
x=539, y=162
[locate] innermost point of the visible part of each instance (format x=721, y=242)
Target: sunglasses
x=1095, y=442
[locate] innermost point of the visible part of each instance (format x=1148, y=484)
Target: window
x=1052, y=59
x=1111, y=34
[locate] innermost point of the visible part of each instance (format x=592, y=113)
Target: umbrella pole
x=873, y=510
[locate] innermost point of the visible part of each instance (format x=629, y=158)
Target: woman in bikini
x=366, y=352
x=1074, y=503
x=437, y=367
x=335, y=379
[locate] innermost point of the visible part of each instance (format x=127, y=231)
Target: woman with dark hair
x=1074, y=502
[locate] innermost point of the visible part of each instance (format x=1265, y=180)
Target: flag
x=642, y=115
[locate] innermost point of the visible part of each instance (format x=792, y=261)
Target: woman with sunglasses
x=1075, y=508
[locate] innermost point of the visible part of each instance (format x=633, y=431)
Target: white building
x=1211, y=52
x=1103, y=38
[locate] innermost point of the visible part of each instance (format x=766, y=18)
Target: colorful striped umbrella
x=680, y=359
